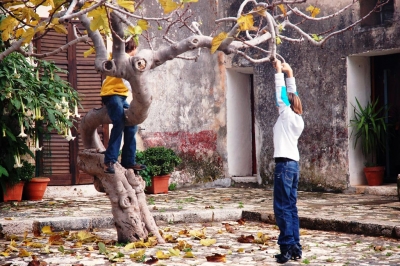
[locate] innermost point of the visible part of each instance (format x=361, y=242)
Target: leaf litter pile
x=208, y=242
x=233, y=243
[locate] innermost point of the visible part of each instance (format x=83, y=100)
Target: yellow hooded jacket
x=114, y=86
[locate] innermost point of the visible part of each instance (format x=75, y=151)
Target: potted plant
x=160, y=163
x=369, y=128
x=34, y=100
x=35, y=187
x=13, y=186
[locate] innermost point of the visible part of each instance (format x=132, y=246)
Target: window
x=381, y=16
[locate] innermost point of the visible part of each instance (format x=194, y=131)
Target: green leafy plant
x=34, y=101
x=172, y=186
x=369, y=128
x=158, y=160
x=26, y=172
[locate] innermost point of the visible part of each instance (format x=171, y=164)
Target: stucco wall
x=189, y=104
x=322, y=75
x=188, y=113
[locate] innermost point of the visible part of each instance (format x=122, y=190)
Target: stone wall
x=189, y=101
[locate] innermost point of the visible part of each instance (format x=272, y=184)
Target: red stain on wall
x=186, y=142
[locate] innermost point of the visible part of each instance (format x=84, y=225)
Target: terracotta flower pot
x=34, y=189
x=159, y=184
x=374, y=175
x=13, y=193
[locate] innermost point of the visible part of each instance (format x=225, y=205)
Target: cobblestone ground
x=319, y=247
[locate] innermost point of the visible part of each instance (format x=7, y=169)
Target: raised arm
x=282, y=100
x=290, y=80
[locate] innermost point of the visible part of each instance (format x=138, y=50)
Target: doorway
x=241, y=145
x=385, y=73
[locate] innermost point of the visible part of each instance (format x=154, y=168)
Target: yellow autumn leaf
x=137, y=255
x=188, y=254
x=314, y=11
x=89, y=52
x=240, y=250
x=246, y=22
x=278, y=40
x=198, y=233
x=129, y=246
x=60, y=29
x=283, y=9
x=28, y=35
x=78, y=244
x=208, y=242
x=174, y=252
x=161, y=255
x=46, y=229
x=12, y=237
x=32, y=15
x=217, y=40
x=85, y=236
x=143, y=24
x=261, y=11
x=4, y=254
x=41, y=29
x=281, y=28
x=168, y=5
x=127, y=4
x=35, y=245
x=100, y=19
x=9, y=218
x=7, y=27
x=13, y=243
x=11, y=248
x=45, y=249
x=137, y=30
x=24, y=253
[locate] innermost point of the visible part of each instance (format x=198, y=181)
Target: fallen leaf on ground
x=151, y=261
x=241, y=221
x=208, y=242
x=216, y=258
x=229, y=228
x=246, y=239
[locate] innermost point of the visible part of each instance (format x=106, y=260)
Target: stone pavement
x=356, y=229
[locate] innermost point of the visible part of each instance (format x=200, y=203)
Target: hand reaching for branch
x=287, y=69
x=283, y=67
x=277, y=65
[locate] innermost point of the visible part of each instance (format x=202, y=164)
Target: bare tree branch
x=301, y=14
x=58, y=50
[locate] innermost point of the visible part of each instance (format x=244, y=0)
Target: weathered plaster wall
x=188, y=113
x=321, y=75
x=189, y=106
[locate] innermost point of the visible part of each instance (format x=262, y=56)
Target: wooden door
x=59, y=157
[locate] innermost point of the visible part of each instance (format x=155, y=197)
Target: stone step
x=383, y=190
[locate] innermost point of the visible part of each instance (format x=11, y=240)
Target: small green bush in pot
x=158, y=160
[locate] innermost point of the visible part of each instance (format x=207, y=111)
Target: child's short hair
x=130, y=45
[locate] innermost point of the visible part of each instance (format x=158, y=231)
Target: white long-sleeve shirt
x=289, y=125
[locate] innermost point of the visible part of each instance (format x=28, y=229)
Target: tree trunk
x=125, y=190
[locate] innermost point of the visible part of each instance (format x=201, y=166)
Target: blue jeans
x=115, y=105
x=286, y=180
